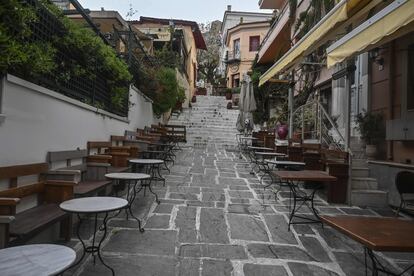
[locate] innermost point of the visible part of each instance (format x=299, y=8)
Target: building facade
x=243, y=42
x=191, y=40
x=230, y=20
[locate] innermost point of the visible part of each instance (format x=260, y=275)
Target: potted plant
x=228, y=93
x=370, y=125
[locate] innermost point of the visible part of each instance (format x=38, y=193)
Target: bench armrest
x=6, y=219
x=9, y=201
x=4, y=230
x=57, y=191
x=64, y=175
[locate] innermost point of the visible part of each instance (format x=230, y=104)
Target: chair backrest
x=65, y=159
x=405, y=182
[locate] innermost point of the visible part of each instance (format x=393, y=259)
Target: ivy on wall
x=22, y=52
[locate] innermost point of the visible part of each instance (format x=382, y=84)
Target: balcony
x=277, y=40
x=232, y=57
x=272, y=4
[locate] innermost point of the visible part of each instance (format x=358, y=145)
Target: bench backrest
x=117, y=140
x=15, y=189
x=100, y=146
x=65, y=159
x=130, y=135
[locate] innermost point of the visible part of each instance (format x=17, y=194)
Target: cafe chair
x=405, y=185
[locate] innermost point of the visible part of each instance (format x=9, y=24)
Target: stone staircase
x=209, y=121
x=364, y=189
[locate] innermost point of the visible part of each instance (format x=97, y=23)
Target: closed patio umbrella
x=247, y=104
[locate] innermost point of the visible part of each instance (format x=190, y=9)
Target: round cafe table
x=36, y=260
x=132, y=179
x=152, y=167
x=93, y=206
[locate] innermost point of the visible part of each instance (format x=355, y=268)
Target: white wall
x=38, y=120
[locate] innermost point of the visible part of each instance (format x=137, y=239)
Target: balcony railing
x=285, y=9
x=232, y=57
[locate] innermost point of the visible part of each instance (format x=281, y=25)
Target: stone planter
x=371, y=151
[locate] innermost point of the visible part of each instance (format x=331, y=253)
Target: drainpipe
x=290, y=104
x=390, y=107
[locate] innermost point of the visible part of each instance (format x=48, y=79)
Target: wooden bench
x=134, y=137
x=177, y=132
x=104, y=152
x=90, y=177
x=40, y=199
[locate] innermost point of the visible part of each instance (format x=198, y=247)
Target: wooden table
x=36, y=260
x=299, y=196
x=94, y=206
x=376, y=234
x=130, y=178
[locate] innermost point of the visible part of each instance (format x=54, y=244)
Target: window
x=254, y=43
x=410, y=78
x=236, y=47
x=235, y=80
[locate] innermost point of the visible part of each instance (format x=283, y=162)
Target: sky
x=201, y=11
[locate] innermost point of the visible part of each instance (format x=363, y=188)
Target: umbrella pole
x=290, y=104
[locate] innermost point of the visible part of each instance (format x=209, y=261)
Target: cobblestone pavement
x=215, y=219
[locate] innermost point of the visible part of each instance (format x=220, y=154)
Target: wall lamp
x=375, y=56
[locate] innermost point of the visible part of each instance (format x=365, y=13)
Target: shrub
x=168, y=92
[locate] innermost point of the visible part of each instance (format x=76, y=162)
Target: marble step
x=360, y=171
x=369, y=198
x=357, y=162
x=364, y=183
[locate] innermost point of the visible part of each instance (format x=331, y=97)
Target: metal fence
x=93, y=91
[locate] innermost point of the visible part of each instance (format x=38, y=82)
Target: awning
x=395, y=20
x=313, y=38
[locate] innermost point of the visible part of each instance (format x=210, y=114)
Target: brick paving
x=215, y=219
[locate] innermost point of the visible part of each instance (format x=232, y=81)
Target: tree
x=208, y=61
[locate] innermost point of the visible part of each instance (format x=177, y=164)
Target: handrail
x=319, y=125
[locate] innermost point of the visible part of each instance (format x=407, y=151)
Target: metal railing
x=93, y=90
x=313, y=122
x=232, y=56
x=274, y=24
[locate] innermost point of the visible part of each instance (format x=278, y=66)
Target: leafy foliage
x=29, y=58
x=263, y=94
x=168, y=91
x=87, y=53
x=371, y=127
x=209, y=59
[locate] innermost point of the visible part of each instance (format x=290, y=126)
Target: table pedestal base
x=93, y=249
x=303, y=198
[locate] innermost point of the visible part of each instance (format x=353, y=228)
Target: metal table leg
x=92, y=249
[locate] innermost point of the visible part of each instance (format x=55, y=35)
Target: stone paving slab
x=216, y=219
